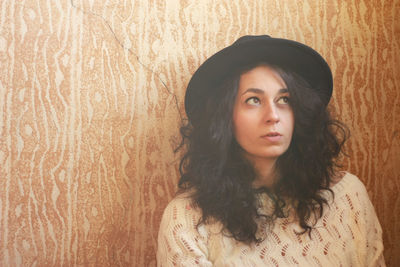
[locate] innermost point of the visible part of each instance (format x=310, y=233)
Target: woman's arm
x=364, y=217
x=373, y=236
x=180, y=242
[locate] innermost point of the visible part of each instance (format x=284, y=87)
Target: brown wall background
x=91, y=94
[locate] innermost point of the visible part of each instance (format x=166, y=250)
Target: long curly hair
x=219, y=178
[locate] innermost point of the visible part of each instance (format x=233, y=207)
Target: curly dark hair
x=220, y=178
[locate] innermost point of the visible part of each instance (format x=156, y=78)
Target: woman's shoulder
x=344, y=182
x=350, y=191
x=180, y=209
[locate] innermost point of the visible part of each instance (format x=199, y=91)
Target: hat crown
x=249, y=38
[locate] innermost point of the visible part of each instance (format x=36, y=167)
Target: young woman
x=259, y=182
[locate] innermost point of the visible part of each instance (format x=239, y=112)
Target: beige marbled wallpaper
x=91, y=98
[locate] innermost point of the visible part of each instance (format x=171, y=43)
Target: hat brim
x=284, y=53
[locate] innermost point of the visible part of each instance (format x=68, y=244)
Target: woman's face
x=262, y=116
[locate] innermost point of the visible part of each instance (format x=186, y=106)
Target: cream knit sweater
x=348, y=234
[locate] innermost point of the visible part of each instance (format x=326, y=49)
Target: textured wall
x=91, y=95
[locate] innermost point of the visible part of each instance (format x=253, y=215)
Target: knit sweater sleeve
x=180, y=242
x=374, y=242
x=364, y=225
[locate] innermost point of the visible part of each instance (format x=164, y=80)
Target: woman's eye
x=283, y=100
x=253, y=101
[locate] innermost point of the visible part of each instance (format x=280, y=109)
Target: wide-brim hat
x=287, y=54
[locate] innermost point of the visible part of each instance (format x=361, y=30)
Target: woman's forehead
x=261, y=78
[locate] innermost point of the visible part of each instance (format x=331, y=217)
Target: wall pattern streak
x=91, y=100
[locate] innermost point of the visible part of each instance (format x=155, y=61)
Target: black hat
x=288, y=54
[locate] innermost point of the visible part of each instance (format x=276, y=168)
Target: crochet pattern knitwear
x=348, y=234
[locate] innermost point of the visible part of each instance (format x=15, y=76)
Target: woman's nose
x=271, y=113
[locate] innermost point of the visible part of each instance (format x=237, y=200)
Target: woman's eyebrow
x=254, y=90
x=260, y=92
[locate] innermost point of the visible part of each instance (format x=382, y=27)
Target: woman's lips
x=272, y=136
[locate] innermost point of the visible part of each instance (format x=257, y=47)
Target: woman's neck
x=265, y=172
